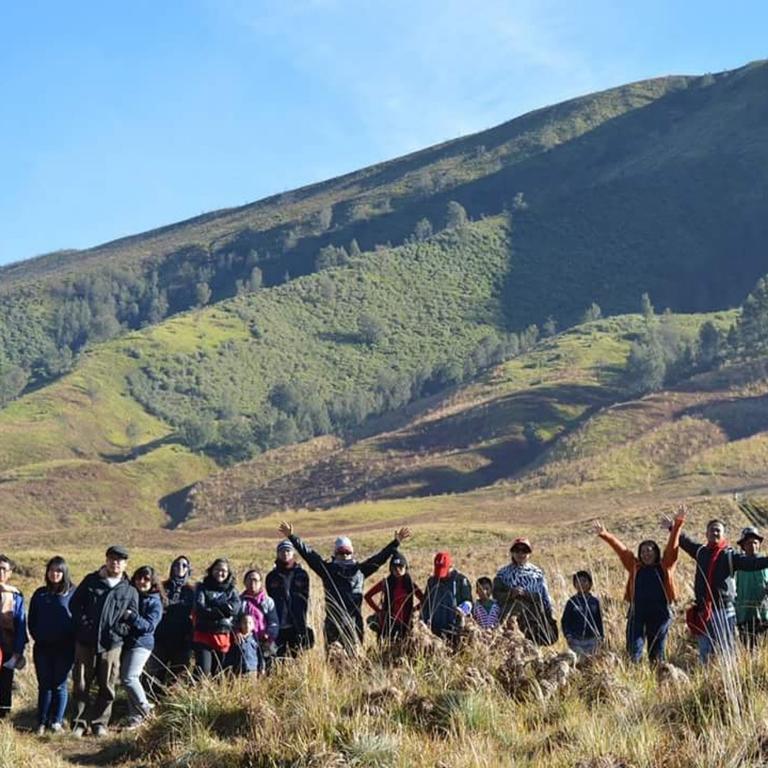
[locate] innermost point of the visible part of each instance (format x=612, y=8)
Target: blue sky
x=119, y=117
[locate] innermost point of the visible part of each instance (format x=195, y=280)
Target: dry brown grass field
x=492, y=704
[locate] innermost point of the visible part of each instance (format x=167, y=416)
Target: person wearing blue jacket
x=244, y=656
x=13, y=633
x=140, y=641
x=582, y=620
x=51, y=627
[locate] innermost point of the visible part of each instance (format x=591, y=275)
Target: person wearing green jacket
x=751, y=592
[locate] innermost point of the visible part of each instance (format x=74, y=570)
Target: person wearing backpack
x=343, y=578
x=712, y=619
x=447, y=599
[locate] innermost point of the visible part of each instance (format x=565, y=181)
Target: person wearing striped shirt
x=486, y=611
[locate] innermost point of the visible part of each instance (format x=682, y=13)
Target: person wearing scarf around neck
x=395, y=608
x=257, y=604
x=650, y=589
x=173, y=636
x=713, y=617
x=13, y=633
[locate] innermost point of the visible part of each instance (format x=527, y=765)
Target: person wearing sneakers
x=13, y=633
x=521, y=590
x=447, y=599
x=99, y=609
x=343, y=578
x=751, y=592
x=288, y=585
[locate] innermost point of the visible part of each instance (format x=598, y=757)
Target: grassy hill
x=656, y=186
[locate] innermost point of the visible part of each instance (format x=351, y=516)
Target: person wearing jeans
x=141, y=640
x=99, y=608
x=51, y=627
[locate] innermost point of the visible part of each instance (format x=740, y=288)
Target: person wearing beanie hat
x=99, y=608
x=521, y=590
x=288, y=585
x=448, y=599
x=394, y=609
x=751, y=592
x=173, y=638
x=343, y=578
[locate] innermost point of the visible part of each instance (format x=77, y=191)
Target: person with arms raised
x=343, y=578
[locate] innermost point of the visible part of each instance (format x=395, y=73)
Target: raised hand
x=682, y=513
x=596, y=527
x=665, y=521
x=403, y=534
x=286, y=529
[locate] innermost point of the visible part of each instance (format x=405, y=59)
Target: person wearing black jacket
x=713, y=618
x=217, y=604
x=343, y=578
x=173, y=637
x=99, y=607
x=288, y=585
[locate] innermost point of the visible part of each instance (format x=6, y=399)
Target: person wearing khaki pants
x=100, y=607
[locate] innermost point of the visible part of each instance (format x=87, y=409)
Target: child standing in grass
x=486, y=611
x=244, y=656
x=582, y=620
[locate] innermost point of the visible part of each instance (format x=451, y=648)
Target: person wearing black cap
x=521, y=590
x=99, y=609
x=343, y=578
x=394, y=609
x=288, y=585
x=751, y=592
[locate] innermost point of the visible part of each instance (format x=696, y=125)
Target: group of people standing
x=144, y=632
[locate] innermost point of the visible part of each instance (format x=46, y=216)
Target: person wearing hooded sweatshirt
x=447, y=599
x=343, y=578
x=173, y=637
x=751, y=592
x=257, y=604
x=99, y=607
x=141, y=640
x=217, y=605
x=712, y=620
x=650, y=589
x=521, y=590
x=13, y=633
x=288, y=585
x=51, y=627
x=394, y=609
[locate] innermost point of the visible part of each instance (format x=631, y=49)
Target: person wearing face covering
x=712, y=619
x=343, y=578
x=650, y=588
x=173, y=637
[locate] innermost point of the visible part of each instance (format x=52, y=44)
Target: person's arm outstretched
x=625, y=555
x=312, y=558
x=672, y=550
x=373, y=563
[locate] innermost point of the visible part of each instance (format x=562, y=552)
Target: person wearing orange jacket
x=650, y=588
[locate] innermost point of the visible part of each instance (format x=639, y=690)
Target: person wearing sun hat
x=447, y=599
x=521, y=590
x=288, y=585
x=343, y=578
x=751, y=592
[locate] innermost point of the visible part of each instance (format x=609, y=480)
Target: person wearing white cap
x=343, y=578
x=751, y=591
